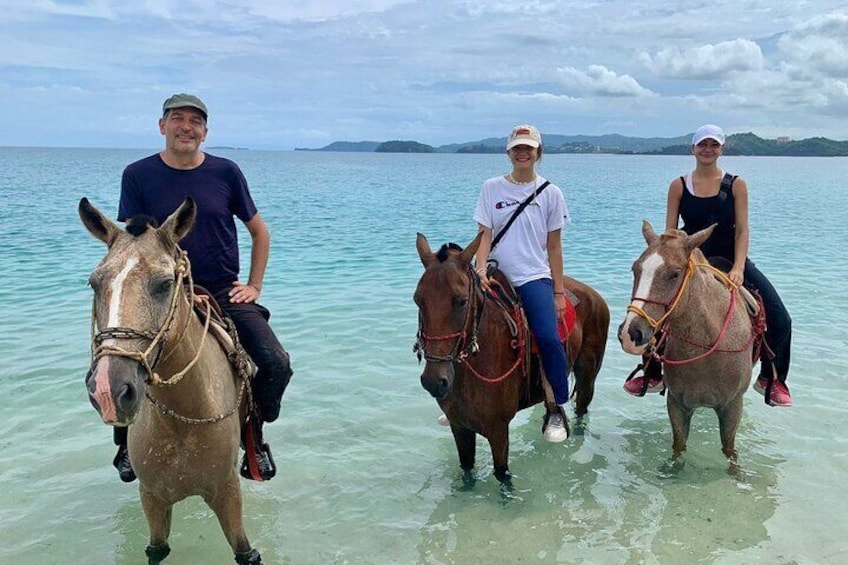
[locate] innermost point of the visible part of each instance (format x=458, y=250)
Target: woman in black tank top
x=708, y=196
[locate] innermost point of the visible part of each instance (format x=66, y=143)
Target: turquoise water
x=366, y=474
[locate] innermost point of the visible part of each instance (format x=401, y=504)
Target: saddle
x=225, y=333
x=506, y=294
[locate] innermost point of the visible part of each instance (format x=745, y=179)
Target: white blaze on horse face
x=650, y=266
x=103, y=389
x=117, y=289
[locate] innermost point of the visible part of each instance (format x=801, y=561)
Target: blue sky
x=279, y=75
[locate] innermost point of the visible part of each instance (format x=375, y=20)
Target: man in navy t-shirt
x=155, y=186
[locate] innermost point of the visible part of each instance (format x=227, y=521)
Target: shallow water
x=366, y=475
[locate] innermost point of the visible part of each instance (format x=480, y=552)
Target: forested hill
x=737, y=144
x=750, y=144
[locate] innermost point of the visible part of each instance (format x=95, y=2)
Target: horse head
x=659, y=279
x=136, y=288
x=446, y=298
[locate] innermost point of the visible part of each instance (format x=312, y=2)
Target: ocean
x=366, y=476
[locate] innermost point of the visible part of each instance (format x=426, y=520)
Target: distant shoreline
x=737, y=144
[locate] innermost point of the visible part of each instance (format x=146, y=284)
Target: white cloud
x=597, y=79
x=706, y=61
x=819, y=45
x=316, y=71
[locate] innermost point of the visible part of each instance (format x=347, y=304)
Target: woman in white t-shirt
x=530, y=255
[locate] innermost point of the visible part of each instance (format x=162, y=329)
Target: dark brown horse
x=693, y=320
x=156, y=369
x=478, y=366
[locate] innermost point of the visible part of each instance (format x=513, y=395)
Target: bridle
x=466, y=344
x=183, y=292
x=662, y=326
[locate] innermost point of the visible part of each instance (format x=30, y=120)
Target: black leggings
x=778, y=334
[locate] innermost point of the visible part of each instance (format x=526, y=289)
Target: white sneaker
x=556, y=430
x=443, y=420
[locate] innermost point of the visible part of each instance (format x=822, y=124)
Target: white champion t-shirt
x=522, y=254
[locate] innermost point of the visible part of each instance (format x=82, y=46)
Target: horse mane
x=444, y=251
x=139, y=223
x=673, y=234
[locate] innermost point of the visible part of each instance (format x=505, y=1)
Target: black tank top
x=699, y=213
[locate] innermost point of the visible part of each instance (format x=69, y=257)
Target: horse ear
x=96, y=222
x=648, y=232
x=180, y=222
x=698, y=238
x=424, y=251
x=468, y=253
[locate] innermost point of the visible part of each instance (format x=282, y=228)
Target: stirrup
x=254, y=450
x=250, y=468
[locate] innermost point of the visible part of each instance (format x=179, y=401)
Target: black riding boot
x=122, y=458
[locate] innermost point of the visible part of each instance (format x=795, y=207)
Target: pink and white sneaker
x=635, y=385
x=779, y=392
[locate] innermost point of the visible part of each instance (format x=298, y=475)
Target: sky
x=305, y=73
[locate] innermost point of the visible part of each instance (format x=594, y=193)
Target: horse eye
x=460, y=302
x=162, y=287
x=673, y=275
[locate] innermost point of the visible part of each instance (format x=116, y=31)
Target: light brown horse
x=156, y=370
x=692, y=319
x=478, y=365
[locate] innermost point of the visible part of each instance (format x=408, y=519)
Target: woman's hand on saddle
x=485, y=283
x=736, y=275
x=559, y=303
x=243, y=293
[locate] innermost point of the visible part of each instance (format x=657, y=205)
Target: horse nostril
x=127, y=397
x=637, y=336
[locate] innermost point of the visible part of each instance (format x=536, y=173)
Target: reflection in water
x=607, y=498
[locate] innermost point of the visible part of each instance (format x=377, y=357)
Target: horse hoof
x=156, y=553
x=252, y=557
x=503, y=476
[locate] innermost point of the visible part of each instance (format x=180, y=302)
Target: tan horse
x=692, y=319
x=156, y=370
x=478, y=363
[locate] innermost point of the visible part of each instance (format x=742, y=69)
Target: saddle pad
x=565, y=325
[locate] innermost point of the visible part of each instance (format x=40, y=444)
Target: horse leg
x=586, y=368
x=499, y=443
x=228, y=508
x=158, y=515
x=466, y=446
x=680, y=418
x=729, y=417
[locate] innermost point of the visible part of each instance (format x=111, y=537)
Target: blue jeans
x=537, y=297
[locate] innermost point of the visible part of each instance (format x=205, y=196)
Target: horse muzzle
x=437, y=378
x=634, y=335
x=115, y=386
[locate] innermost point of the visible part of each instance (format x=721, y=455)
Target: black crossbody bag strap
x=518, y=211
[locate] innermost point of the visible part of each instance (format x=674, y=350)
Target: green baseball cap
x=185, y=101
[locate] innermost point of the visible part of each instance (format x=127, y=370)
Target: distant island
x=737, y=144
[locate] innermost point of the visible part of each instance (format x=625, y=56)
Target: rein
x=662, y=325
x=463, y=347
x=99, y=349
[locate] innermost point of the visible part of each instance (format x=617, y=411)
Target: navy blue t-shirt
x=219, y=189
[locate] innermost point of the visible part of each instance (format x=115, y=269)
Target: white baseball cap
x=708, y=131
x=524, y=135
